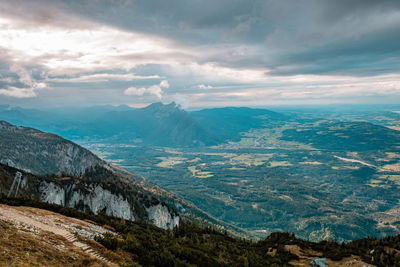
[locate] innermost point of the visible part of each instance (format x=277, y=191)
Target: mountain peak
x=160, y=105
x=162, y=110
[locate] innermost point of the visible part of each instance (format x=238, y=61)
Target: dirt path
x=35, y=220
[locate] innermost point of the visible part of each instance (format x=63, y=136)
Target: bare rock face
x=121, y=201
x=51, y=193
x=99, y=200
x=161, y=217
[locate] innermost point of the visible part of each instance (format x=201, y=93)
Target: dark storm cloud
x=276, y=31
x=339, y=9
x=312, y=44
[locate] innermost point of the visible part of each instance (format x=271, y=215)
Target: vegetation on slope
x=191, y=245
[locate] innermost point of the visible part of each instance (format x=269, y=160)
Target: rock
x=161, y=217
x=319, y=262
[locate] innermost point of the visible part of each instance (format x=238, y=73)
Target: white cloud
x=164, y=84
x=155, y=90
x=25, y=78
x=18, y=92
x=104, y=77
x=203, y=86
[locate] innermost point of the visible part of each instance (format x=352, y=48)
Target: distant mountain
x=156, y=124
x=228, y=123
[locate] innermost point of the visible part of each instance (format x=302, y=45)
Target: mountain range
x=157, y=124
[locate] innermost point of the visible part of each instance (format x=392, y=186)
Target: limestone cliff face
x=51, y=193
x=161, y=216
x=97, y=199
x=85, y=195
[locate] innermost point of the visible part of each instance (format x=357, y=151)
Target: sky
x=199, y=53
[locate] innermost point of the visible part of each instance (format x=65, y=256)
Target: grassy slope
x=191, y=245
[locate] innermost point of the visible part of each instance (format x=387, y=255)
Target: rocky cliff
x=122, y=200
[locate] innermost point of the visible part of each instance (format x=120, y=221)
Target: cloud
x=203, y=86
x=104, y=77
x=164, y=84
x=23, y=85
x=18, y=92
x=155, y=90
x=86, y=51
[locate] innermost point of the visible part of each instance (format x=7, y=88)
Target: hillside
x=43, y=153
x=75, y=237
x=37, y=237
x=75, y=178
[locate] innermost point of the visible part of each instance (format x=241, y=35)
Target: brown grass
x=18, y=248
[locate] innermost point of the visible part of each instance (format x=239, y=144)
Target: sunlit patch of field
x=390, y=167
x=172, y=151
x=345, y=167
x=194, y=160
x=397, y=128
x=167, y=162
x=199, y=174
x=285, y=197
x=225, y=155
x=392, y=155
x=318, y=123
x=236, y=169
x=311, y=163
x=376, y=183
x=252, y=159
x=279, y=164
x=389, y=156
x=271, y=138
x=338, y=127
x=341, y=135
x=352, y=154
x=393, y=178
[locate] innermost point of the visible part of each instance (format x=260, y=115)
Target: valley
x=321, y=174
x=283, y=178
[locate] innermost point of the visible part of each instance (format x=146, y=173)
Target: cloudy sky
x=199, y=53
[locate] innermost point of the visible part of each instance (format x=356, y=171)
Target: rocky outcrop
x=101, y=200
x=162, y=217
x=52, y=193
